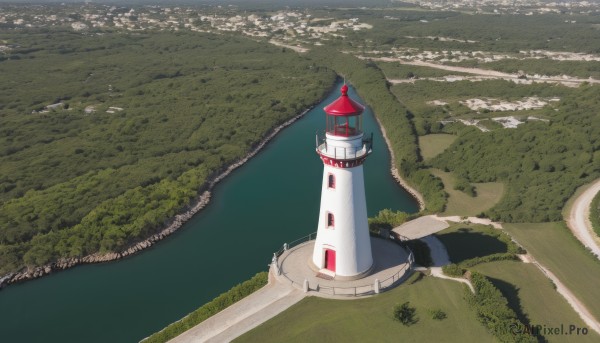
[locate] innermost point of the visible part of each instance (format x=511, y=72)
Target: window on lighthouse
x=330, y=220
x=331, y=181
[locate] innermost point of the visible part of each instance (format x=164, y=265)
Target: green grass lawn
x=434, y=144
x=533, y=297
x=553, y=245
x=459, y=203
x=466, y=241
x=370, y=320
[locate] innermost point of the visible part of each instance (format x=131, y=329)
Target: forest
x=595, y=213
x=105, y=137
x=541, y=162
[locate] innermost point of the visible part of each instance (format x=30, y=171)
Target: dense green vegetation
x=184, y=105
x=427, y=116
x=499, y=33
x=393, y=116
x=493, y=311
x=387, y=219
x=209, y=309
x=595, y=213
x=541, y=164
x=371, y=319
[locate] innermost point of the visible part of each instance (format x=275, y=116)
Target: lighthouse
x=343, y=247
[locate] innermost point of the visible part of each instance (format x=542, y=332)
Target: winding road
x=578, y=218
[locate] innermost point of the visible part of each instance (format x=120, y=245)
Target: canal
x=272, y=199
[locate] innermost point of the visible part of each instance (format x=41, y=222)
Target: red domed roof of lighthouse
x=344, y=105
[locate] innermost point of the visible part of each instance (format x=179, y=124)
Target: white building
x=343, y=246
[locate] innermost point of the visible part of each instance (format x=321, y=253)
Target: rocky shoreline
x=396, y=174
x=177, y=222
x=182, y=218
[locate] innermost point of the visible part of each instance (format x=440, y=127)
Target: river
x=272, y=199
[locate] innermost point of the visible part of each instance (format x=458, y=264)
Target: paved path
x=440, y=258
x=244, y=315
x=428, y=225
x=421, y=227
x=578, y=219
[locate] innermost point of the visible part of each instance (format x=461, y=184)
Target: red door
x=330, y=260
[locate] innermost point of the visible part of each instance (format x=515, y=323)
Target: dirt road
x=578, y=219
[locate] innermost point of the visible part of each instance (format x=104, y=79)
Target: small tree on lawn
x=405, y=314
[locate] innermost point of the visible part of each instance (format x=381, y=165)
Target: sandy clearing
x=565, y=80
x=297, y=49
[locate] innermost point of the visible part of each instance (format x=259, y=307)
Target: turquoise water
x=272, y=199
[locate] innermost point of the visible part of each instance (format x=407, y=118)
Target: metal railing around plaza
x=362, y=290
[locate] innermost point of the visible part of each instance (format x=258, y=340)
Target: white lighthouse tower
x=343, y=246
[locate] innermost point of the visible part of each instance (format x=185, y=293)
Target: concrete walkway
x=244, y=315
x=440, y=258
x=421, y=227
x=578, y=219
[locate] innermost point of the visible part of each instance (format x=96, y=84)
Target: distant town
x=526, y=7
x=278, y=25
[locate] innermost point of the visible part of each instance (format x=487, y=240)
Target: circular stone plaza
x=392, y=263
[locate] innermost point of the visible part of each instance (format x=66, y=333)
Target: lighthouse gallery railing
x=362, y=290
x=344, y=153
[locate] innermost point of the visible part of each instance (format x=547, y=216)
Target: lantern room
x=344, y=116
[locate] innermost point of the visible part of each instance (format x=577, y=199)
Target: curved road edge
x=578, y=218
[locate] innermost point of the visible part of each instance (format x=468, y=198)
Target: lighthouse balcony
x=344, y=153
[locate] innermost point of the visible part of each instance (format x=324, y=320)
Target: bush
x=464, y=186
x=458, y=270
x=453, y=270
x=493, y=312
x=405, y=314
x=437, y=314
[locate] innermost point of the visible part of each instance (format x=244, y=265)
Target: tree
x=405, y=314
